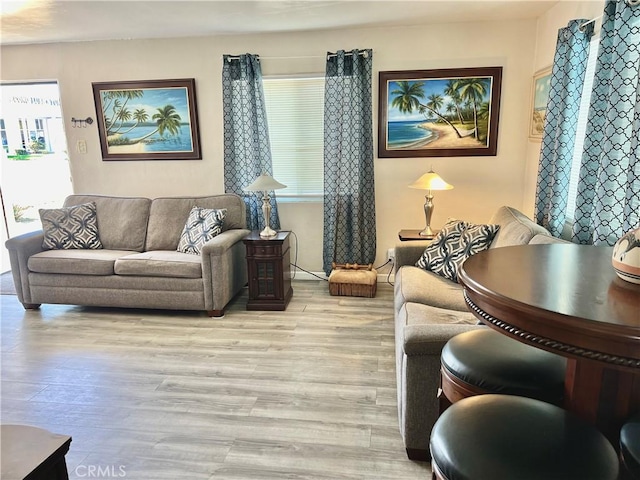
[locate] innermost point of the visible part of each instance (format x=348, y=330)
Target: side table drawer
x=265, y=250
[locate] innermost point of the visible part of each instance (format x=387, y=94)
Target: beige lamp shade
x=264, y=183
x=431, y=181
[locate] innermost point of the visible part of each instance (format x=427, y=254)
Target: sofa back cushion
x=169, y=215
x=122, y=221
x=515, y=228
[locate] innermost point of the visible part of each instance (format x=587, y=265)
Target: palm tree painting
x=452, y=112
x=147, y=120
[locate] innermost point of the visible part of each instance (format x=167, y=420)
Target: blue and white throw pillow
x=439, y=255
x=69, y=228
x=202, y=225
x=444, y=256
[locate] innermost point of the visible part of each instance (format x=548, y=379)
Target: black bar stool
x=485, y=361
x=630, y=447
x=504, y=437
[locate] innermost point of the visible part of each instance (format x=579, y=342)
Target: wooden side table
x=269, y=269
x=33, y=453
x=406, y=235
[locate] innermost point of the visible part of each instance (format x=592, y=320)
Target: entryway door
x=35, y=162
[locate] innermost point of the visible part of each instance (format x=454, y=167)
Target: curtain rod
x=365, y=54
x=328, y=55
x=588, y=22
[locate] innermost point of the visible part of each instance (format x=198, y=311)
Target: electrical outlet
x=391, y=254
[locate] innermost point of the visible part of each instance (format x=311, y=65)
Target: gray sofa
x=429, y=310
x=139, y=266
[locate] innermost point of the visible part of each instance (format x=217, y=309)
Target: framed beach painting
x=147, y=120
x=439, y=113
x=539, y=97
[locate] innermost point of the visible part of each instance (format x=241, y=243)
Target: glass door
x=35, y=162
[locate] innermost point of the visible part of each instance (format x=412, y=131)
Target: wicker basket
x=353, y=280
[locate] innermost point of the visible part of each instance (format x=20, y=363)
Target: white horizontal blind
x=295, y=112
x=581, y=130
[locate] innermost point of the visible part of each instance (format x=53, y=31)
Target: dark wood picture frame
x=436, y=113
x=148, y=120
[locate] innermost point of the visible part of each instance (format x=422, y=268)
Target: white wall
x=481, y=183
x=546, y=36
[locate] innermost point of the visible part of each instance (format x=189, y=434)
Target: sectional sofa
x=429, y=310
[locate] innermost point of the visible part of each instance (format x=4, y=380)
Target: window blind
x=295, y=113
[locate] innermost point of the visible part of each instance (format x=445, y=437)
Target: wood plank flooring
x=308, y=393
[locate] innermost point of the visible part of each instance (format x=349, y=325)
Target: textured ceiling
x=47, y=21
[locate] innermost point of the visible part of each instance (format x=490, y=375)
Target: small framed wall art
x=539, y=97
x=439, y=113
x=148, y=120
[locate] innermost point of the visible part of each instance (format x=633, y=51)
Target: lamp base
x=427, y=232
x=268, y=232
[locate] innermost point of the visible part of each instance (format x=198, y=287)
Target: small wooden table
x=269, y=269
x=407, y=235
x=32, y=453
x=566, y=299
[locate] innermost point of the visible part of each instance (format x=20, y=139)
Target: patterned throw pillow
x=70, y=227
x=438, y=256
x=202, y=225
x=460, y=241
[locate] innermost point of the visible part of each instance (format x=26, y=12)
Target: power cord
x=310, y=273
x=297, y=267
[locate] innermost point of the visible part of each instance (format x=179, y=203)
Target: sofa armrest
x=408, y=253
x=20, y=249
x=430, y=339
x=224, y=268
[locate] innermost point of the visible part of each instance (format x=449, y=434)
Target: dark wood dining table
x=567, y=299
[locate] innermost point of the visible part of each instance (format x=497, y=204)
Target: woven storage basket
x=353, y=280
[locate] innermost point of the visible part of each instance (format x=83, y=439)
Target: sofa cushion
x=202, y=225
x=75, y=262
x=169, y=215
x=160, y=263
x=515, y=228
x=421, y=286
x=122, y=221
x=70, y=227
x=545, y=239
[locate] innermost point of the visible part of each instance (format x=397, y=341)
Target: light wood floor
x=304, y=394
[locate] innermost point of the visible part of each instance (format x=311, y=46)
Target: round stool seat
x=630, y=445
x=496, y=363
x=504, y=437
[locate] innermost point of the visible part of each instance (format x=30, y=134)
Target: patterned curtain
x=558, y=140
x=247, y=152
x=349, y=197
x=608, y=200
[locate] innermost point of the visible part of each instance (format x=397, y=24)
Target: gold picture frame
x=539, y=97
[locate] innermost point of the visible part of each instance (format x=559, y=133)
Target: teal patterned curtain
x=247, y=152
x=608, y=200
x=558, y=140
x=349, y=196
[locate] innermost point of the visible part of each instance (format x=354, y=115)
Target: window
x=581, y=131
x=295, y=112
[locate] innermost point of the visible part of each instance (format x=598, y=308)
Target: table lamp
x=265, y=183
x=429, y=181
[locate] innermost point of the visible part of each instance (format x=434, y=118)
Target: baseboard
x=300, y=275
